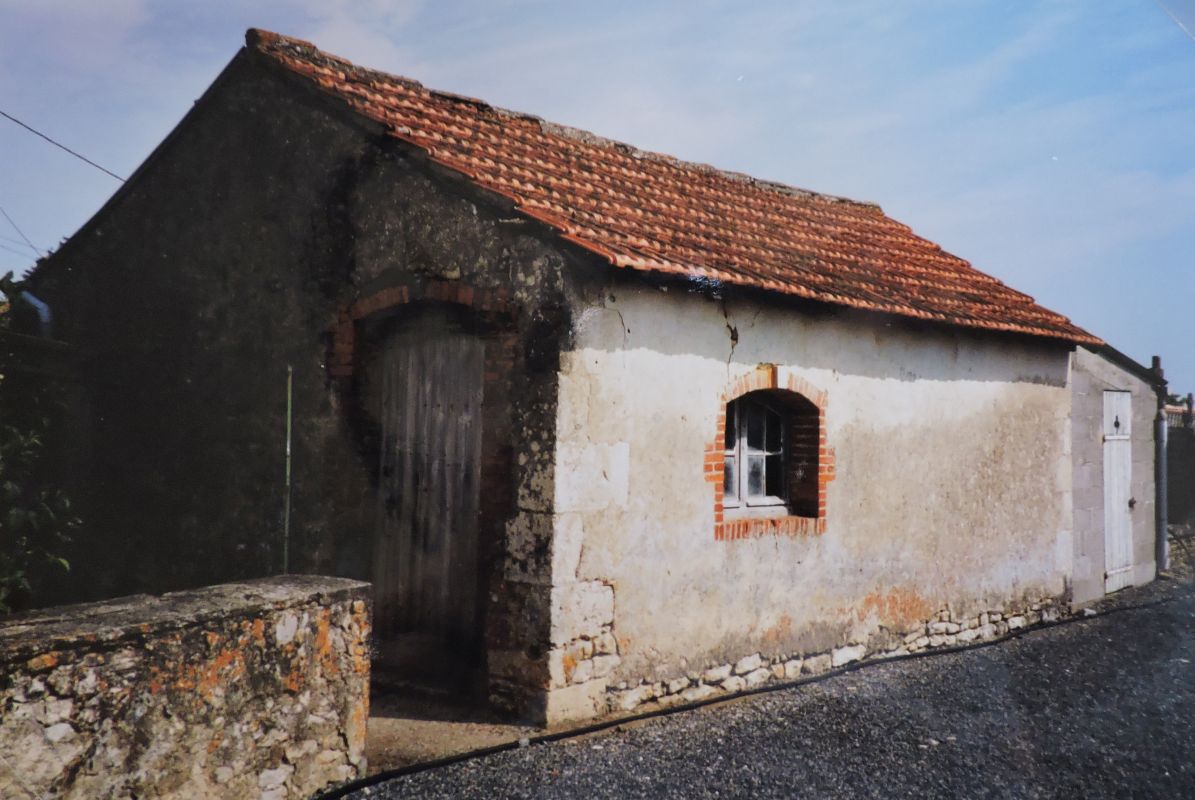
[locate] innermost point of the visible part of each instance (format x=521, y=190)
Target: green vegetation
x=36, y=518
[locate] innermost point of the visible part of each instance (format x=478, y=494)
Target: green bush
x=36, y=518
x=35, y=521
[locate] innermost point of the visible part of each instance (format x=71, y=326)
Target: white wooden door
x=1118, y=473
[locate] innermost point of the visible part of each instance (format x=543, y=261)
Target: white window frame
x=741, y=502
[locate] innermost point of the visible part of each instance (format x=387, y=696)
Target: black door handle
x=1132, y=502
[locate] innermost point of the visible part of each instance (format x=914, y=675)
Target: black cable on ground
x=573, y=733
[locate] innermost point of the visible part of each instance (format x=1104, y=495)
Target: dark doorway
x=424, y=388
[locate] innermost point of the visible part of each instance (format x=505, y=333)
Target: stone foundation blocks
x=748, y=664
x=816, y=665
x=758, y=677
x=733, y=684
x=717, y=674
x=944, y=629
x=845, y=655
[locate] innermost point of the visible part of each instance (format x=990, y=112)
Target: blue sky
x=1049, y=142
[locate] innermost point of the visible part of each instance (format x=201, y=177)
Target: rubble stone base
x=944, y=630
x=256, y=689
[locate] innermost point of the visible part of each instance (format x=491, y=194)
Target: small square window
x=755, y=440
x=771, y=444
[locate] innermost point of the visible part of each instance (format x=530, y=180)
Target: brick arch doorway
x=423, y=381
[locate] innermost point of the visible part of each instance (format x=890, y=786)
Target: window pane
x=730, y=480
x=754, y=476
x=774, y=476
x=754, y=415
x=773, y=428
x=732, y=425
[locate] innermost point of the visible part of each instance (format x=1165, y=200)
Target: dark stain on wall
x=234, y=253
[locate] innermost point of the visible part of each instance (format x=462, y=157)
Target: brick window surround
x=762, y=378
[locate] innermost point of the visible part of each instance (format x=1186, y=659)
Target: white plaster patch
x=583, y=671
x=1064, y=548
x=568, y=537
x=592, y=478
x=600, y=326
x=581, y=609
x=580, y=701
x=604, y=665
x=572, y=397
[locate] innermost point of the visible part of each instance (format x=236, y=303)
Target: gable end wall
x=271, y=230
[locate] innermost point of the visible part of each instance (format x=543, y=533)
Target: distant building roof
x=651, y=212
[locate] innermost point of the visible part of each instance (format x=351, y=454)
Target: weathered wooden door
x=426, y=551
x=1118, y=500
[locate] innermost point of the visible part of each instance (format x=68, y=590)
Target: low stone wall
x=243, y=690
x=945, y=629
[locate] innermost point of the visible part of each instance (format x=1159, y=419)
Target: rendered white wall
x=953, y=477
x=1091, y=376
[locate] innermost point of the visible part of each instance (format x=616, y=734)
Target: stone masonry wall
x=944, y=629
x=242, y=690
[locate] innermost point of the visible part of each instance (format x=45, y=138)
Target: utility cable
x=61, y=146
x=18, y=230
x=1182, y=25
x=14, y=250
x=11, y=240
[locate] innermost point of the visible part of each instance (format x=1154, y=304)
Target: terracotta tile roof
x=646, y=211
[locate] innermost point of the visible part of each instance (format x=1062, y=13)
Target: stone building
x=601, y=426
x=1114, y=419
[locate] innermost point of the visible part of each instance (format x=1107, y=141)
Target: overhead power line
x=60, y=146
x=14, y=251
x=1177, y=21
x=11, y=240
x=20, y=232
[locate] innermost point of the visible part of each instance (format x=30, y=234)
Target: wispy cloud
x=368, y=31
x=1046, y=141
x=71, y=36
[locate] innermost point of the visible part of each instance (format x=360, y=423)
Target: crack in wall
x=733, y=332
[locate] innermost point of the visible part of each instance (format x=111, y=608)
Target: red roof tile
x=647, y=211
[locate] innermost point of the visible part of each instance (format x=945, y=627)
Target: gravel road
x=1100, y=707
